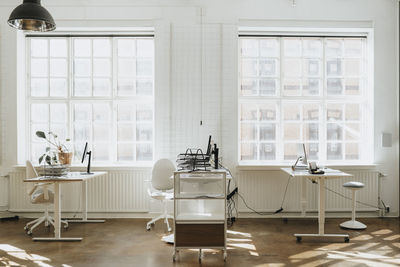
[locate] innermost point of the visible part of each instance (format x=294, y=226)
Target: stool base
x=355, y=225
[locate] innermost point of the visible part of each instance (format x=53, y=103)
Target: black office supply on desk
x=86, y=152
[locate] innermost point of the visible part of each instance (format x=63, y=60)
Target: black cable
x=359, y=202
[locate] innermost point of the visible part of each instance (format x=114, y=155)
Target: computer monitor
x=209, y=146
x=304, y=155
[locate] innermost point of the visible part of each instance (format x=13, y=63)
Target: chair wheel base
x=354, y=225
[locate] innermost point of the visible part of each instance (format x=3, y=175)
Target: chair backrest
x=163, y=169
x=30, y=173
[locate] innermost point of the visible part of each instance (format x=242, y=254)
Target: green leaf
x=48, y=159
x=41, y=134
x=67, y=140
x=47, y=149
x=41, y=159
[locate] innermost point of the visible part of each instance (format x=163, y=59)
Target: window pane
x=101, y=112
x=126, y=87
x=144, y=68
x=249, y=67
x=58, y=87
x=352, y=151
x=101, y=132
x=101, y=87
x=334, y=67
x=267, y=112
x=248, y=151
x=334, y=48
x=126, y=152
x=267, y=131
x=144, y=113
x=81, y=132
x=291, y=87
x=126, y=68
x=291, y=111
x=334, y=112
x=268, y=67
x=126, y=112
x=101, y=48
x=144, y=152
x=58, y=67
x=145, y=48
x=334, y=151
x=352, y=131
x=58, y=113
x=353, y=48
x=39, y=68
x=250, y=47
x=311, y=132
x=311, y=87
x=352, y=112
x=39, y=48
x=82, y=67
x=126, y=132
x=352, y=67
x=101, y=67
x=334, y=131
x=82, y=112
x=248, y=112
x=39, y=87
x=82, y=87
x=101, y=152
x=312, y=48
x=268, y=87
x=312, y=150
x=58, y=48
x=126, y=48
x=248, y=131
x=267, y=151
x=334, y=86
x=353, y=86
x=290, y=151
x=269, y=47
x=312, y=67
x=292, y=131
x=292, y=47
x=60, y=130
x=144, y=87
x=144, y=132
x=249, y=87
x=311, y=112
x=40, y=113
x=82, y=48
x=292, y=68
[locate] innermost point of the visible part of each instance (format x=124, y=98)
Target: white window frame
x=369, y=92
x=25, y=100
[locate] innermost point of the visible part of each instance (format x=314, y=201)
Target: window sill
x=277, y=167
x=141, y=167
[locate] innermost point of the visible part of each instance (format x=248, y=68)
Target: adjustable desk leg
x=57, y=219
x=84, y=207
x=321, y=216
x=303, y=196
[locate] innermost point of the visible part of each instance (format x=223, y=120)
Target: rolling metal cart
x=200, y=211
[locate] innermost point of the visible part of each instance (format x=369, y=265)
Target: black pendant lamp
x=31, y=16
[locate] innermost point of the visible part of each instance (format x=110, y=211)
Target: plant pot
x=65, y=158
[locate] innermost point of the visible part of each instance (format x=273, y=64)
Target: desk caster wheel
x=200, y=255
x=26, y=228
x=225, y=255
x=298, y=239
x=346, y=240
x=29, y=232
x=174, y=257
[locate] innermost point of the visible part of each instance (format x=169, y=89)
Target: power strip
x=231, y=194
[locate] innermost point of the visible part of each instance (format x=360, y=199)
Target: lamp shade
x=31, y=16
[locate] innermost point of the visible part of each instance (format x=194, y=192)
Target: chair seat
x=162, y=195
x=353, y=185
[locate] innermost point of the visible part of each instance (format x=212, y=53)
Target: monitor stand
x=88, y=166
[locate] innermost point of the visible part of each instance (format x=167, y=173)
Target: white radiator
x=263, y=191
x=118, y=191
x=3, y=193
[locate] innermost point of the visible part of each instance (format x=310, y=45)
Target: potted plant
x=64, y=155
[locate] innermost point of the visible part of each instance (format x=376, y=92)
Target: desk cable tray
x=193, y=160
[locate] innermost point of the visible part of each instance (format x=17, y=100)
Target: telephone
x=314, y=169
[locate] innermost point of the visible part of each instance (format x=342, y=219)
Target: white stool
x=353, y=224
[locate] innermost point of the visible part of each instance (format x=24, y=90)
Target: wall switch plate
x=386, y=140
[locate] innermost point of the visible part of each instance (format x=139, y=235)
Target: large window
x=311, y=90
x=94, y=89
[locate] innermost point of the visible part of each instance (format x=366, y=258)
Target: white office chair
x=39, y=193
x=353, y=224
x=163, y=169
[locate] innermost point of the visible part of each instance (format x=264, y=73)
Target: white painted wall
x=180, y=49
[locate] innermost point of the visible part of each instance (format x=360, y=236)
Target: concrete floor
x=251, y=242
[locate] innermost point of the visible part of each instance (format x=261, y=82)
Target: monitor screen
x=84, y=152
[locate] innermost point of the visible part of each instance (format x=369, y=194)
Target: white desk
x=71, y=177
x=320, y=178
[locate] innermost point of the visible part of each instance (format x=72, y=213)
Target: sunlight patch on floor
x=391, y=238
x=362, y=238
x=22, y=255
x=382, y=232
